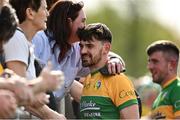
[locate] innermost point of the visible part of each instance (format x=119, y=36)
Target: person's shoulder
x=40, y=35
x=40, y=39
x=176, y=83
x=118, y=76
x=19, y=38
x=175, y=86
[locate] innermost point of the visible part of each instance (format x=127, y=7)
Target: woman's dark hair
x=21, y=5
x=58, y=28
x=50, y=3
x=8, y=24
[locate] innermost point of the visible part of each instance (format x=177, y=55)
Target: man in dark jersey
x=162, y=63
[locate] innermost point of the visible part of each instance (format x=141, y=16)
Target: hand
x=7, y=103
x=23, y=93
x=115, y=66
x=52, y=80
x=40, y=100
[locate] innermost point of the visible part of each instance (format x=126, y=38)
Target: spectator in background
x=18, y=51
x=163, y=56
x=32, y=17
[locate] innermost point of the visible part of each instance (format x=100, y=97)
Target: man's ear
x=172, y=65
x=70, y=22
x=29, y=13
x=107, y=47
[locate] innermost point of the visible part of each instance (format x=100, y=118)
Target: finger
x=46, y=100
x=118, y=68
x=30, y=96
x=109, y=68
x=113, y=68
x=59, y=78
x=9, y=71
x=46, y=69
x=49, y=65
x=48, y=96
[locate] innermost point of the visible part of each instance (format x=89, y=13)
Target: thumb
x=47, y=69
x=49, y=66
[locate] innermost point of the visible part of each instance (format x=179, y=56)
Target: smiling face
x=158, y=66
x=94, y=53
x=40, y=17
x=91, y=52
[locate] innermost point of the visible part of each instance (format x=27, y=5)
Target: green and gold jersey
x=104, y=96
x=167, y=104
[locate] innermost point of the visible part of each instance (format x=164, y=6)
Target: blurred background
x=135, y=24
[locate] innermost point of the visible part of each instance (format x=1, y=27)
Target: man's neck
x=99, y=65
x=168, y=78
x=28, y=30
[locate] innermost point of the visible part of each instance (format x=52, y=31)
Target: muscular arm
x=130, y=112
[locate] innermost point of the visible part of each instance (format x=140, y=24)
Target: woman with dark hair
x=60, y=43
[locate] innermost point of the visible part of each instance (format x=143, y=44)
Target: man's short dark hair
x=97, y=30
x=21, y=5
x=164, y=46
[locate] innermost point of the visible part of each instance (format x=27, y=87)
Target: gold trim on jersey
x=169, y=82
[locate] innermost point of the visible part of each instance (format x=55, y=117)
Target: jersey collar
x=169, y=82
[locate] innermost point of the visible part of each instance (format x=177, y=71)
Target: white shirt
x=18, y=48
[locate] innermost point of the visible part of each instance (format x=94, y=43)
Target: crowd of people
x=45, y=46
